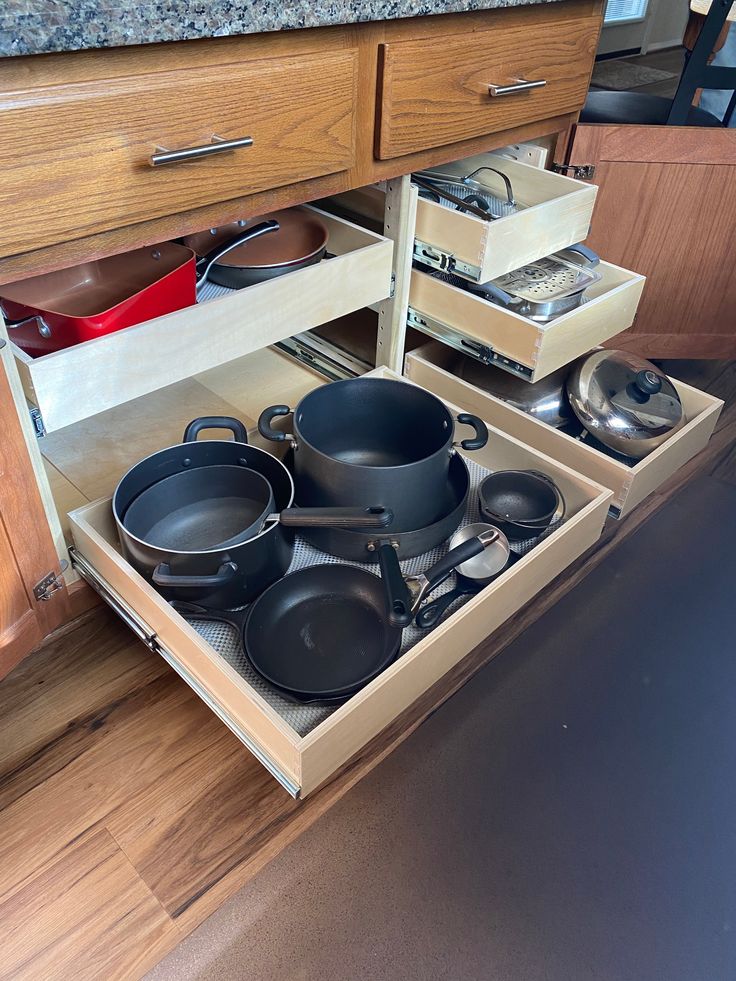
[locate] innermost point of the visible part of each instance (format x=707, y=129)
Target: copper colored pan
x=301, y=240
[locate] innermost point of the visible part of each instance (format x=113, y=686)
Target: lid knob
x=648, y=382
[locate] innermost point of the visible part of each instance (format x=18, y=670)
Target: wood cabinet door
x=27, y=553
x=666, y=207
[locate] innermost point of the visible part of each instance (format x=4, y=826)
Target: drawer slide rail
x=430, y=255
x=467, y=345
x=152, y=642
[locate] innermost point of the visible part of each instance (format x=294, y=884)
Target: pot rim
x=200, y=551
x=369, y=466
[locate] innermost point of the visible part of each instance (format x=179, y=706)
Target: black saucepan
x=368, y=441
x=230, y=573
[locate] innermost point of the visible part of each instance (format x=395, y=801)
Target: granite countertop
x=40, y=26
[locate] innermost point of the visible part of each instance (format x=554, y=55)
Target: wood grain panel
x=92, y=918
x=667, y=208
x=434, y=93
x=97, y=138
x=27, y=550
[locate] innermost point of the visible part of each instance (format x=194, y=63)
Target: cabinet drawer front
x=436, y=91
x=554, y=212
x=432, y=367
x=302, y=763
x=466, y=321
x=84, y=380
x=76, y=158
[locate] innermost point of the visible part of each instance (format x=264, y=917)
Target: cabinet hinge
x=51, y=583
x=392, y=292
x=581, y=172
x=37, y=420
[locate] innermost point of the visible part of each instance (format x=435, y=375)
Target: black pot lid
x=619, y=395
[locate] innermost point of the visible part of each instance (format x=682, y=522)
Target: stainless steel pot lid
x=625, y=401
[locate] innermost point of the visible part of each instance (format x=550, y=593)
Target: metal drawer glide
x=430, y=255
x=141, y=629
x=468, y=345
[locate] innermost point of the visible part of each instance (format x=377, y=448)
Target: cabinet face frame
x=429, y=366
x=303, y=763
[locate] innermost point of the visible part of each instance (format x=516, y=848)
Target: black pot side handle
x=481, y=432
x=234, y=426
x=398, y=598
x=264, y=423
x=163, y=576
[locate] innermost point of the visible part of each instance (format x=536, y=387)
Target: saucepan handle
x=398, y=598
x=376, y=517
x=481, y=432
x=455, y=557
x=205, y=263
x=431, y=614
x=215, y=422
x=266, y=429
x=163, y=576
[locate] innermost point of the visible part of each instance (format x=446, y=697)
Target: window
x=625, y=11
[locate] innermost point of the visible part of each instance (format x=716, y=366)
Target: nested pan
x=301, y=240
x=231, y=571
x=69, y=306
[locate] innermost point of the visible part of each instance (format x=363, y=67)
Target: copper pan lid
x=301, y=235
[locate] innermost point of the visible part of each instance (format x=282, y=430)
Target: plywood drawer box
x=469, y=322
x=555, y=212
x=302, y=763
x=431, y=366
x=76, y=158
x=440, y=90
x=81, y=381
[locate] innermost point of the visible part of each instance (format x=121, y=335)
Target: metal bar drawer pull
x=218, y=145
x=518, y=85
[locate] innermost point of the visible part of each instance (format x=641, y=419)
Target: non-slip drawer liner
x=226, y=640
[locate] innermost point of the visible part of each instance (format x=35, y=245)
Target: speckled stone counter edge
x=41, y=26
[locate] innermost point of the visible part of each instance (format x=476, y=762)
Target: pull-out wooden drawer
x=554, y=212
x=470, y=323
x=76, y=159
x=435, y=91
x=431, y=366
x=81, y=381
x=303, y=762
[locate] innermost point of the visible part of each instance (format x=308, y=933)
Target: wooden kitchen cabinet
x=33, y=598
x=107, y=403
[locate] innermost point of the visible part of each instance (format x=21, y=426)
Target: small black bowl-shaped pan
x=522, y=503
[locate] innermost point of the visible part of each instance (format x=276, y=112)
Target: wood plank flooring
x=128, y=813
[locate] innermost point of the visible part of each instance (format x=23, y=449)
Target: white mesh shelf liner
x=225, y=639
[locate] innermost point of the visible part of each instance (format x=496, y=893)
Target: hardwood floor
x=128, y=813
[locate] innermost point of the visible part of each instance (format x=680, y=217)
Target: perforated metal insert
x=547, y=279
x=498, y=207
x=226, y=640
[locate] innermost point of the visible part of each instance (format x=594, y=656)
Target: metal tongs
x=475, y=204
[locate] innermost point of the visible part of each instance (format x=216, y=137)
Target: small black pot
x=522, y=503
x=374, y=441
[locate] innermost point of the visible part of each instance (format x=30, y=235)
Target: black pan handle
x=432, y=613
x=398, y=598
x=163, y=576
x=205, y=263
x=456, y=556
x=264, y=423
x=481, y=431
x=375, y=517
x=193, y=611
x=215, y=422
